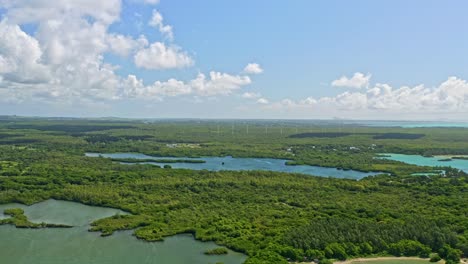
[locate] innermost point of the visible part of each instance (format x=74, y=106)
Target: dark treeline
x=398, y=136
x=320, y=135
x=344, y=134
x=69, y=128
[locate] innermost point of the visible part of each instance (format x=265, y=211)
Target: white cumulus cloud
x=359, y=80
x=251, y=95
x=159, y=56
x=157, y=21
x=20, y=56
x=125, y=45
x=216, y=84
x=253, y=68
x=451, y=96
x=62, y=60
x=26, y=11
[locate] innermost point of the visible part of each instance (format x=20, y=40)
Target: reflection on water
x=77, y=245
x=241, y=164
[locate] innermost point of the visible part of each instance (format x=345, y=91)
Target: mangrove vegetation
x=272, y=217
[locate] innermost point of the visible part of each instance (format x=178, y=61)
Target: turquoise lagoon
x=429, y=161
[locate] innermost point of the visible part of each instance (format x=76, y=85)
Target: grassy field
x=389, y=260
x=394, y=261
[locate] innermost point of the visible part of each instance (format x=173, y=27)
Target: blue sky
x=409, y=59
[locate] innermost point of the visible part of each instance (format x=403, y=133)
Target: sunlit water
x=429, y=161
x=242, y=164
x=77, y=246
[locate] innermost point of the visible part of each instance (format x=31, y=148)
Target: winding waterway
x=76, y=245
x=242, y=164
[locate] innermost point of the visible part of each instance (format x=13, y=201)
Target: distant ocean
x=339, y=122
x=405, y=124
x=377, y=123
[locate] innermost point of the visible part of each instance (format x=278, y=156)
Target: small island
x=133, y=160
x=460, y=157
x=217, y=251
x=445, y=160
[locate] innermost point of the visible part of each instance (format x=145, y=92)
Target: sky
x=299, y=59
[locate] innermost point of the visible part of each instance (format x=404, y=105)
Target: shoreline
x=384, y=258
x=350, y=261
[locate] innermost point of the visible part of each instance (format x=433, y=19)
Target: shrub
x=435, y=257
x=217, y=251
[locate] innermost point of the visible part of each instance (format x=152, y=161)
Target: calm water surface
x=429, y=161
x=241, y=164
x=77, y=246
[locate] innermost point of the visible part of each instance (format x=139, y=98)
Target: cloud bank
x=451, y=96
x=64, y=58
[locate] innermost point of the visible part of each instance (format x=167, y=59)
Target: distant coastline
x=299, y=122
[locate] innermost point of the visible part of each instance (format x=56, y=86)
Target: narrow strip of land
x=356, y=260
x=380, y=259
x=350, y=261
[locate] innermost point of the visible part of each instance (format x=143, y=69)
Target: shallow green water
x=77, y=245
x=429, y=161
x=63, y=212
x=241, y=164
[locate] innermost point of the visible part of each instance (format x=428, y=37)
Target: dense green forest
x=272, y=217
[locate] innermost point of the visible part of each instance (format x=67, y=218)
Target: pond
x=242, y=164
x=77, y=245
x=461, y=164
